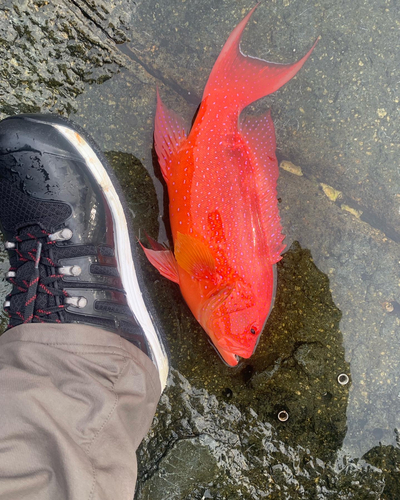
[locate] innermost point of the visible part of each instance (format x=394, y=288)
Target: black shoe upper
x=59, y=232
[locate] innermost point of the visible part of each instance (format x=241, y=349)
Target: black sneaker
x=62, y=214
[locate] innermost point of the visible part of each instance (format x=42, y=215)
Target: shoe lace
x=37, y=295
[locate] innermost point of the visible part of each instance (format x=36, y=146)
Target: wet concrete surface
x=216, y=433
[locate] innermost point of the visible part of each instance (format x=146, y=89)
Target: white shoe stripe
x=122, y=247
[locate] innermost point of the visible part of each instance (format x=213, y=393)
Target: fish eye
x=253, y=331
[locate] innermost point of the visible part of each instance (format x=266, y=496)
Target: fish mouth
x=231, y=355
x=228, y=358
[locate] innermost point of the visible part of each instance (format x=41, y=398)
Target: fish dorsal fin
x=163, y=260
x=194, y=257
x=259, y=133
x=169, y=132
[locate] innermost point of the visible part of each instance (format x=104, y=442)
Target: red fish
x=221, y=180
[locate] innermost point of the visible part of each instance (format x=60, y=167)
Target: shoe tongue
x=18, y=207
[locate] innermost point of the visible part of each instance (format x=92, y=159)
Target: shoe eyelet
x=79, y=302
x=10, y=274
x=9, y=245
x=62, y=235
x=6, y=304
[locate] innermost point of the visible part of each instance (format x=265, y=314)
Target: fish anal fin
x=163, y=260
x=194, y=257
x=259, y=134
x=169, y=132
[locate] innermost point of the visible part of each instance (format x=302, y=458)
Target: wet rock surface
x=214, y=450
x=216, y=433
x=52, y=51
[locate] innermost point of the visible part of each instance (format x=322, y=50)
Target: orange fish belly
x=223, y=208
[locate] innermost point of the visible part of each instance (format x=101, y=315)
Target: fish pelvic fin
x=169, y=132
x=162, y=259
x=247, y=78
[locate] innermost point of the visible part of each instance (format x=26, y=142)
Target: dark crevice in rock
x=92, y=19
x=189, y=96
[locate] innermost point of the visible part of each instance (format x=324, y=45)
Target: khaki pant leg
x=75, y=402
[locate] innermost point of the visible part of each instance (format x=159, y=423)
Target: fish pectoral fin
x=195, y=257
x=163, y=260
x=169, y=132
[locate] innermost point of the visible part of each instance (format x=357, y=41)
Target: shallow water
x=216, y=433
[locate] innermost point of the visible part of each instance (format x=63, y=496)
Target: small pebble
x=353, y=211
x=332, y=193
x=291, y=167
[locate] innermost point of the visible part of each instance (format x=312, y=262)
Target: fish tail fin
x=247, y=77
